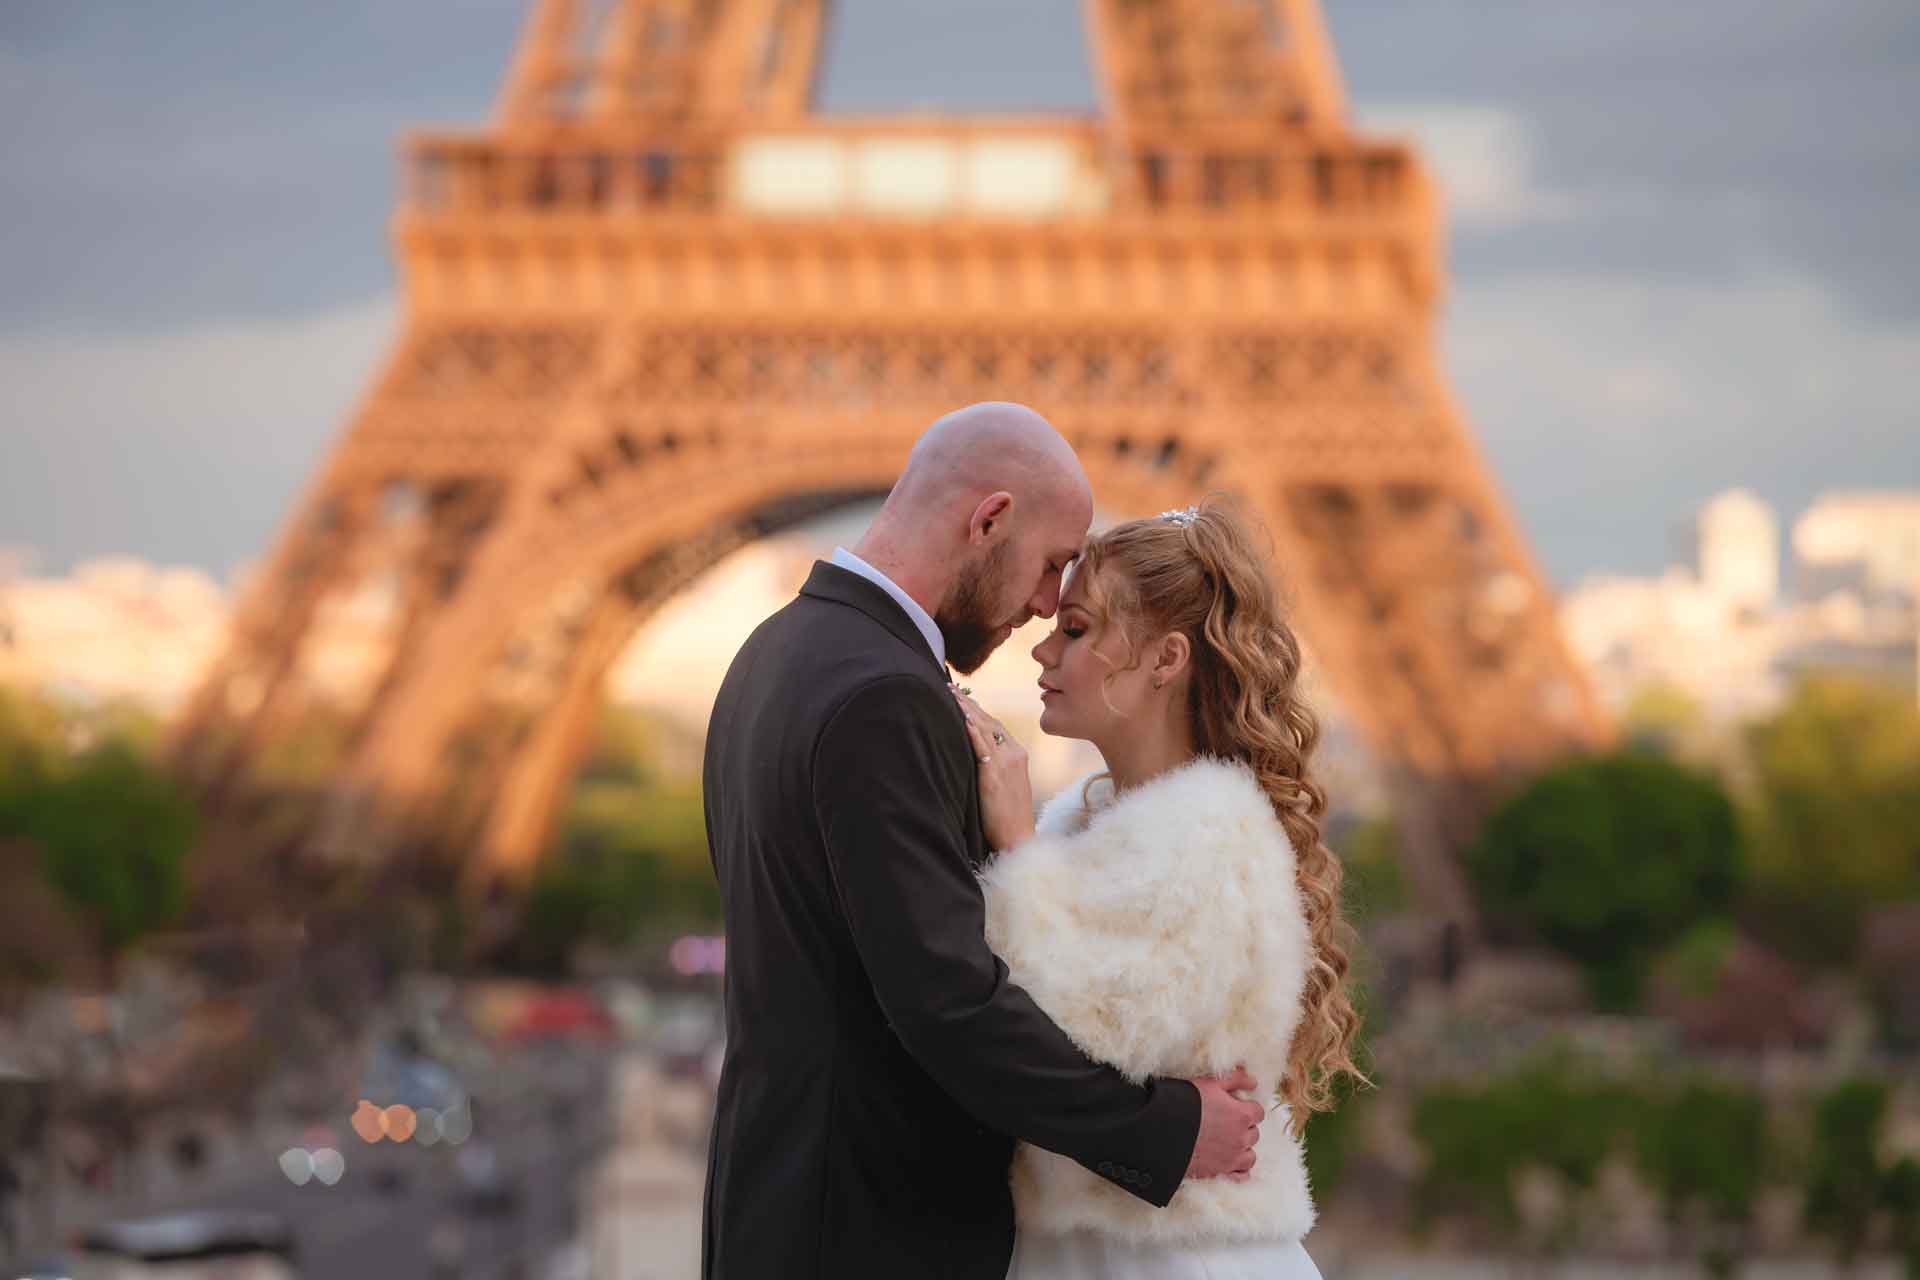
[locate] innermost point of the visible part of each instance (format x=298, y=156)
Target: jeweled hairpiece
x=1183, y=517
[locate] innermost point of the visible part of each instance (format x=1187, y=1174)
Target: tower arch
x=658, y=305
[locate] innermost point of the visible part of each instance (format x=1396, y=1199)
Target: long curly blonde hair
x=1205, y=575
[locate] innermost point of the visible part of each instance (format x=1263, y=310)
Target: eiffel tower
x=659, y=308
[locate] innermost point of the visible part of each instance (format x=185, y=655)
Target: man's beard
x=965, y=620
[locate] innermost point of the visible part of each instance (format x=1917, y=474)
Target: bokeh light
x=368, y=1122
x=297, y=1164
x=398, y=1122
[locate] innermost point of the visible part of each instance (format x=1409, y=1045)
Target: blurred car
x=51, y=1268
x=563, y=1014
x=397, y=1072
x=201, y=1245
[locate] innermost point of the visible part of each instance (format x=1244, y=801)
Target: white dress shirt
x=852, y=563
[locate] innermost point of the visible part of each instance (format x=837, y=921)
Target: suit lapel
x=831, y=582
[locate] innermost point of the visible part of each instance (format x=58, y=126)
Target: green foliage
x=32, y=743
x=1374, y=885
x=632, y=852
x=1900, y=1196
x=625, y=744
x=1704, y=1145
x=1609, y=859
x=114, y=834
x=1837, y=813
x=1663, y=717
x=1843, y=1169
x=1695, y=962
x=1549, y=1114
x=1330, y=1136
x=641, y=747
x=667, y=820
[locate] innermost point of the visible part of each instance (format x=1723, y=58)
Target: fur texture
x=1165, y=933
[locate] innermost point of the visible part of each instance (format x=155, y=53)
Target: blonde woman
x=1178, y=913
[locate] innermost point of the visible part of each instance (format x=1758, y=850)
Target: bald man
x=879, y=1064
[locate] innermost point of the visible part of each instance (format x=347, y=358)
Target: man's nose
x=1044, y=602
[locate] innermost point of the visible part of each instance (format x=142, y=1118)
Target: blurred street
x=578, y=1154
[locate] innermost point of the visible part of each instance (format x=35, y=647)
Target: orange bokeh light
x=399, y=1121
x=367, y=1122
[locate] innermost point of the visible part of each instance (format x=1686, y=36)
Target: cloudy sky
x=1683, y=238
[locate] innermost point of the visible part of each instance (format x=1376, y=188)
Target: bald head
x=979, y=527
x=989, y=447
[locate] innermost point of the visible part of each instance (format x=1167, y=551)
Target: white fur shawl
x=1165, y=934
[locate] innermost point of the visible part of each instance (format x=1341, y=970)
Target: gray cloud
x=1712, y=138
x=1696, y=273
x=180, y=447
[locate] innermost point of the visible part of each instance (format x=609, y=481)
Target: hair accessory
x=1183, y=517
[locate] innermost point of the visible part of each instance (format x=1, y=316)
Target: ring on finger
x=999, y=738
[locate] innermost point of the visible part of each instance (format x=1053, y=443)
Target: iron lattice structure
x=659, y=308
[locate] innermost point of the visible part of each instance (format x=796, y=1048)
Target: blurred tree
x=1900, y=1195
x=32, y=741
x=561, y=910
x=113, y=834
x=1703, y=1147
x=642, y=746
x=1889, y=959
x=668, y=819
x=1608, y=859
x=1843, y=1171
x=1550, y=1114
x=1331, y=1136
x=1661, y=716
x=632, y=851
x=1837, y=814
x=1694, y=965
x=623, y=747
x=1374, y=885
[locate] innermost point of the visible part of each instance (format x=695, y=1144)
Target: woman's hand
x=1006, y=792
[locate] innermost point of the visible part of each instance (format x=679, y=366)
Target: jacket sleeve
x=892, y=791
x=1141, y=970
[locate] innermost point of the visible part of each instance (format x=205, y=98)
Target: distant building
x=1720, y=630
x=1733, y=546
x=1864, y=541
x=114, y=628
x=1633, y=632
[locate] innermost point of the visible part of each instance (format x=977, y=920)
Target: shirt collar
x=852, y=563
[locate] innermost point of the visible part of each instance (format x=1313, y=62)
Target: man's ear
x=987, y=517
x=1171, y=658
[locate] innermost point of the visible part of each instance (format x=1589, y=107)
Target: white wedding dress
x=1085, y=1255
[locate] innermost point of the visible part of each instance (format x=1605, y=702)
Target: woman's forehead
x=1073, y=586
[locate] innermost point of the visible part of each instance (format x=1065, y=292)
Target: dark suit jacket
x=879, y=1064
